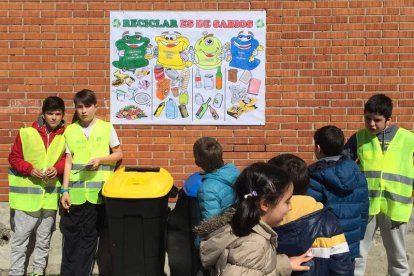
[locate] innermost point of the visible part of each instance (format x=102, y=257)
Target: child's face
x=53, y=118
x=374, y=122
x=274, y=215
x=85, y=112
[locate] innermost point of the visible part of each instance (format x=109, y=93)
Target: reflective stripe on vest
x=85, y=185
x=31, y=194
x=390, y=176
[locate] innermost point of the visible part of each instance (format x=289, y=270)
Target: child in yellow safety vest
x=384, y=153
x=92, y=151
x=36, y=162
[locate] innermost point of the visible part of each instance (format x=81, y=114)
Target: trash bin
x=137, y=209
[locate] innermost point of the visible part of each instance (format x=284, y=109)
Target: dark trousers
x=80, y=227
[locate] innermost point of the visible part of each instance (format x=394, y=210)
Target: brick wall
x=324, y=59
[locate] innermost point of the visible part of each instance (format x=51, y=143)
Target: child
x=183, y=256
x=92, y=151
x=309, y=224
x=216, y=192
x=385, y=155
x=36, y=160
x=337, y=182
x=243, y=242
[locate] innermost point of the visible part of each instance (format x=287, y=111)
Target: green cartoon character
x=133, y=51
x=208, y=51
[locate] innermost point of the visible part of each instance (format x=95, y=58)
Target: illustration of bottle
x=171, y=110
x=197, y=79
x=219, y=79
x=213, y=112
x=203, y=108
x=159, y=109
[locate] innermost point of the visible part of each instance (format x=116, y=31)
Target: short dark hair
x=330, y=139
x=379, y=104
x=85, y=96
x=296, y=168
x=53, y=103
x=208, y=154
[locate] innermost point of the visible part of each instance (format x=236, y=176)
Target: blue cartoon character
x=243, y=50
x=171, y=50
x=132, y=51
x=207, y=52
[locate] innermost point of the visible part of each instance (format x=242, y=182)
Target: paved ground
x=376, y=263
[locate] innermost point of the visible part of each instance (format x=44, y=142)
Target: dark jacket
x=341, y=186
x=310, y=225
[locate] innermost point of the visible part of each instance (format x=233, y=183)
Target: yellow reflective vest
x=28, y=193
x=389, y=175
x=86, y=185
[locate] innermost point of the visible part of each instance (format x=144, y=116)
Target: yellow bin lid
x=138, y=183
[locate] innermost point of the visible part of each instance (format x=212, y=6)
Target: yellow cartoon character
x=172, y=50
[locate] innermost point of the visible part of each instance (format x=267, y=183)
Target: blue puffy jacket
x=310, y=225
x=339, y=184
x=216, y=193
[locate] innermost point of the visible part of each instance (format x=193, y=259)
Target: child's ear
x=388, y=121
x=263, y=205
x=318, y=148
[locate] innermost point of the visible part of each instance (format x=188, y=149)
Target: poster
x=188, y=68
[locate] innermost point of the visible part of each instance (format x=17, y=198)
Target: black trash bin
x=137, y=209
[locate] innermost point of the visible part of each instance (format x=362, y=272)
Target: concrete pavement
x=377, y=261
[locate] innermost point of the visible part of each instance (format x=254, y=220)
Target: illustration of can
x=183, y=111
x=159, y=109
x=218, y=100
x=159, y=72
x=208, y=81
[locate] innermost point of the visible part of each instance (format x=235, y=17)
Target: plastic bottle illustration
x=203, y=108
x=197, y=79
x=219, y=79
x=171, y=110
x=159, y=109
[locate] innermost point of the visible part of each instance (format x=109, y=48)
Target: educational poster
x=188, y=68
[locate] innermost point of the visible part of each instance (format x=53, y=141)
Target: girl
x=242, y=241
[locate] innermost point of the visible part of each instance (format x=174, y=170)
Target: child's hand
x=93, y=164
x=37, y=173
x=50, y=173
x=296, y=261
x=65, y=201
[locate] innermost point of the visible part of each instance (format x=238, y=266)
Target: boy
x=337, y=183
x=385, y=155
x=92, y=150
x=36, y=161
x=310, y=225
x=216, y=193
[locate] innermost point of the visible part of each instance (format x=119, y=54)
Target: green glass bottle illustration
x=203, y=108
x=219, y=79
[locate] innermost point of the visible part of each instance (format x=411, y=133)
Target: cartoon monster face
x=131, y=50
x=207, y=52
x=171, y=49
x=242, y=49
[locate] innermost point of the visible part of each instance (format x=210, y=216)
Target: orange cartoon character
x=172, y=50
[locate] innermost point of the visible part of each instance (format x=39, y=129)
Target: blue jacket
x=339, y=184
x=310, y=225
x=216, y=192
